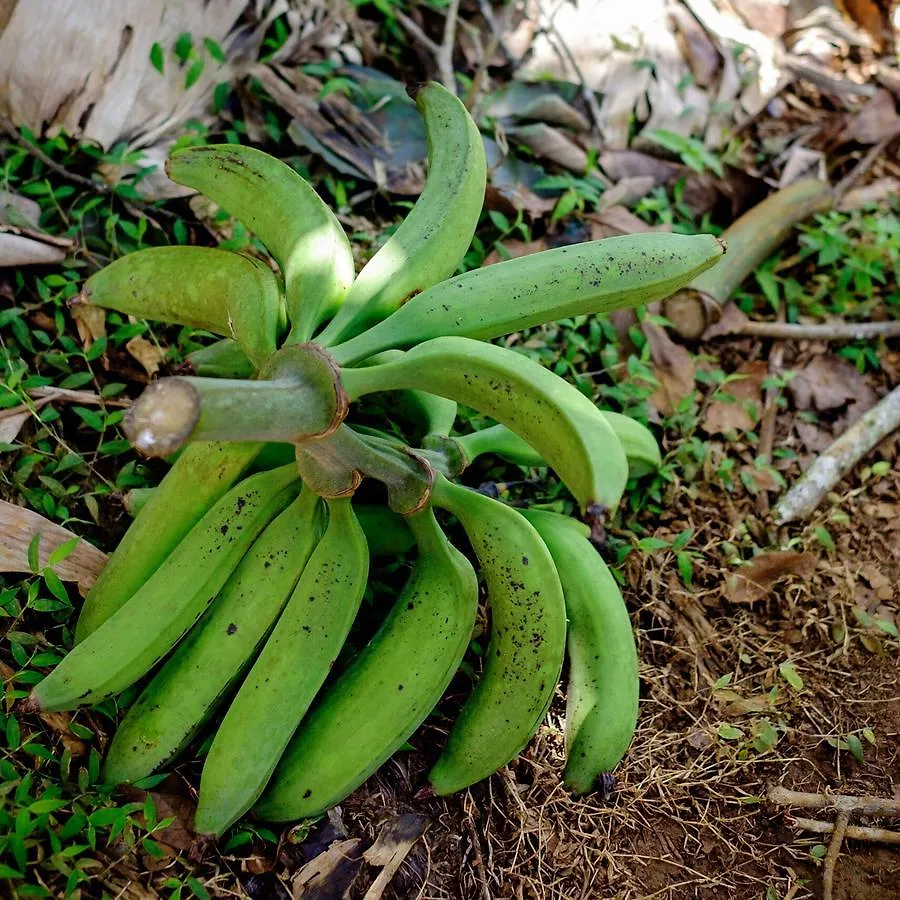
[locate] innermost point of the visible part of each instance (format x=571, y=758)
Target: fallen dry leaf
x=90, y=322
x=19, y=526
x=551, y=143
x=515, y=249
x=24, y=247
x=876, y=121
x=621, y=164
x=331, y=874
x=614, y=221
x=626, y=192
x=876, y=192
x=673, y=368
x=830, y=382
x=731, y=321
x=11, y=424
x=391, y=846
x=738, y=404
x=22, y=212
x=148, y=355
x=753, y=582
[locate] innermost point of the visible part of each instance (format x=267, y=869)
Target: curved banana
x=554, y=417
x=282, y=209
x=200, y=477
x=527, y=645
x=223, y=359
x=143, y=630
x=582, y=279
x=431, y=242
x=216, y=290
x=287, y=675
x=194, y=680
x=388, y=689
x=637, y=441
x=602, y=707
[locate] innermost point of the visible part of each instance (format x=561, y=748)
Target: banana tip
x=425, y=793
x=414, y=88
x=723, y=244
x=29, y=706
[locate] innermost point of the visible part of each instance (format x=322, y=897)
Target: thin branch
x=860, y=168
x=853, y=832
x=487, y=12
x=43, y=396
x=414, y=30
x=444, y=57
x=770, y=412
x=834, y=849
x=864, y=805
x=835, y=462
x=829, y=331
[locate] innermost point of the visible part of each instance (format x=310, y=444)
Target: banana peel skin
x=228, y=603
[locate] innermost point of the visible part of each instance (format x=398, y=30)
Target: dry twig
x=828, y=331
x=853, y=832
x=834, y=463
x=834, y=849
x=864, y=805
x=443, y=52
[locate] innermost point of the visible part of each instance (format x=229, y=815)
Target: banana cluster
x=233, y=593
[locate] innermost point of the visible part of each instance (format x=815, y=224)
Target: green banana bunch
x=431, y=242
x=215, y=290
x=132, y=640
x=560, y=422
x=287, y=675
x=195, y=679
x=581, y=279
x=602, y=693
x=201, y=476
x=387, y=690
x=525, y=653
x=281, y=208
x=252, y=583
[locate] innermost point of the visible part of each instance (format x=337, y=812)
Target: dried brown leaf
x=90, y=322
x=515, y=249
x=19, y=526
x=753, y=582
x=673, y=368
x=331, y=874
x=19, y=211
x=614, y=221
x=731, y=321
x=148, y=355
x=551, y=143
x=626, y=192
x=621, y=164
x=11, y=424
x=391, y=846
x=876, y=192
x=829, y=382
x=876, y=121
x=738, y=404
x=25, y=247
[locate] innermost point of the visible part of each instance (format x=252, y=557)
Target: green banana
x=194, y=680
x=561, y=423
x=431, y=242
x=527, y=644
x=388, y=689
x=131, y=641
x=287, y=675
x=223, y=359
x=637, y=441
x=218, y=291
x=591, y=278
x=201, y=476
x=602, y=707
x=282, y=209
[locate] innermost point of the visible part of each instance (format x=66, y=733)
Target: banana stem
x=334, y=467
x=750, y=241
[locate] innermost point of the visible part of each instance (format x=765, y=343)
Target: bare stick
x=829, y=331
x=832, y=465
x=853, y=832
x=861, y=168
x=867, y=806
x=444, y=56
x=834, y=849
x=413, y=29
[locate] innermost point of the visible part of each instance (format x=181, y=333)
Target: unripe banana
x=637, y=441
x=554, y=417
x=223, y=359
x=582, y=279
x=282, y=209
x=287, y=675
x=201, y=476
x=431, y=242
x=146, y=628
x=388, y=689
x=195, y=679
x=525, y=653
x=218, y=291
x=602, y=707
